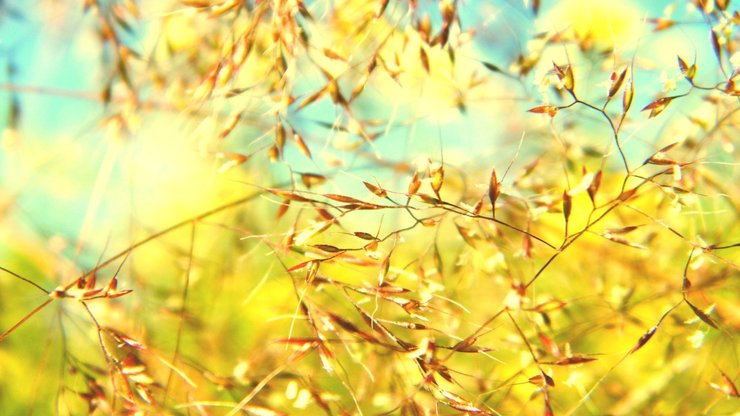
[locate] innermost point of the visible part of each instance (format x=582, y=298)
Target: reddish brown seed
x=617, y=81
x=567, y=205
x=576, y=359
x=380, y=192
x=644, y=339
x=656, y=107
x=594, y=186
x=702, y=315
x=414, y=185
x=494, y=190
x=545, y=109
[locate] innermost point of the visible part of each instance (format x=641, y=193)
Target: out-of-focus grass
x=221, y=314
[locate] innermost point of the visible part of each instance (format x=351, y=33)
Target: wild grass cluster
x=380, y=207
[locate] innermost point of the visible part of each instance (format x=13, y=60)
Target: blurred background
x=121, y=118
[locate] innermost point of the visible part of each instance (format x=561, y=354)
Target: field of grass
x=386, y=207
